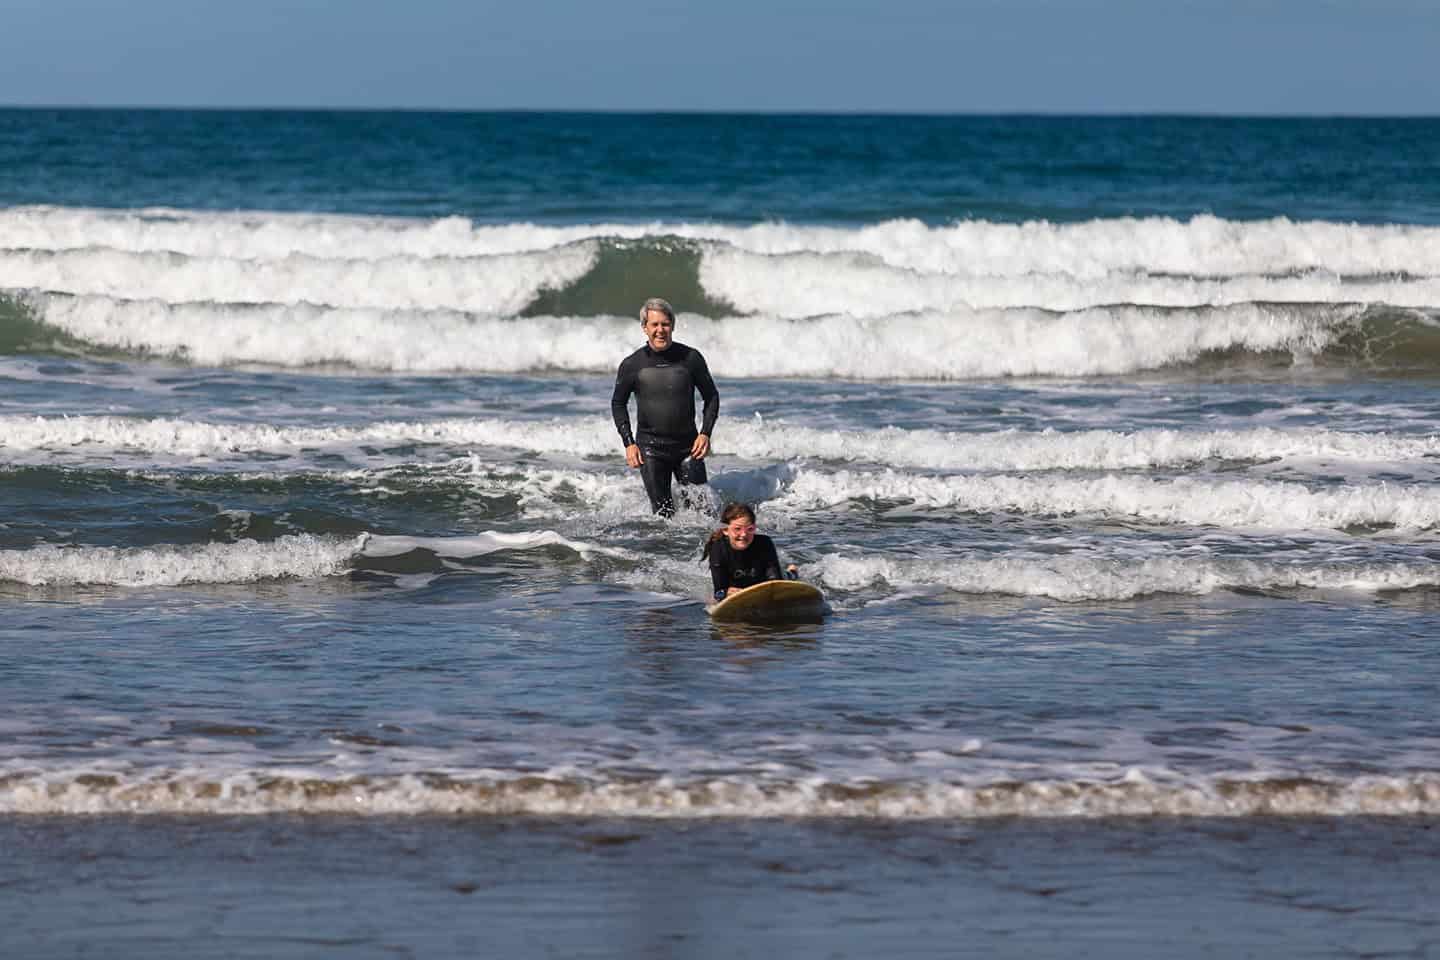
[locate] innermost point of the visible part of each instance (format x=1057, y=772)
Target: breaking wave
x=1079, y=578
x=1202, y=246
x=1184, y=500
x=1130, y=795
x=752, y=439
x=925, y=346
x=894, y=300
x=300, y=556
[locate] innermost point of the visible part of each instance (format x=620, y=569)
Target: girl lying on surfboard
x=739, y=557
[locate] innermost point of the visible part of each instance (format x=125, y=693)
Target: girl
x=739, y=557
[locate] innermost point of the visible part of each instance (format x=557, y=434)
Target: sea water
x=334, y=623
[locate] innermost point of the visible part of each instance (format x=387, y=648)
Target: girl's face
x=740, y=532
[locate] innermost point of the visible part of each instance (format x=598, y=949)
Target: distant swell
x=258, y=793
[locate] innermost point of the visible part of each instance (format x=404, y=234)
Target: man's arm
x=700, y=376
x=620, y=402
x=625, y=379
x=709, y=393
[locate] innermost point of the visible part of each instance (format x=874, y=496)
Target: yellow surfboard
x=771, y=600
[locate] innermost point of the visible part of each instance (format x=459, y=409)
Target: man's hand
x=632, y=455
x=700, y=447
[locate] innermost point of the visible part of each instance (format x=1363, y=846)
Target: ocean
x=334, y=624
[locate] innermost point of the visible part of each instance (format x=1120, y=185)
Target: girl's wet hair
x=731, y=513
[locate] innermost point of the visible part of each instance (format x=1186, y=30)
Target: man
x=664, y=375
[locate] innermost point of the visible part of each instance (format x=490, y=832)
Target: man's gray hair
x=659, y=305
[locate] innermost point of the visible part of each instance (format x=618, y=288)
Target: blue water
x=578, y=168
x=1112, y=444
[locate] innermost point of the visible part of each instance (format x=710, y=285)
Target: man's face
x=659, y=330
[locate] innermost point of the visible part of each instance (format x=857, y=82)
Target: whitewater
x=990, y=299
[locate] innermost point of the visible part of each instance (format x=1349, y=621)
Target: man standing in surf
x=664, y=375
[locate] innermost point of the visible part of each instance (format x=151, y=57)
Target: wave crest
x=1074, y=578
x=1237, y=503
x=753, y=439
x=1133, y=795
x=299, y=556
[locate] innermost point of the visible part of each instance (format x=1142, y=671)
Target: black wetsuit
x=743, y=568
x=664, y=385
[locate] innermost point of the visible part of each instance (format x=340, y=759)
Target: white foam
x=1234, y=503
x=300, y=556
x=892, y=300
x=941, y=346
x=268, y=235
x=749, y=439
x=1075, y=577
x=1066, y=450
x=181, y=438
x=808, y=285
x=499, y=284
x=1129, y=793
x=1202, y=246
x=481, y=544
x=542, y=493
x=373, y=339
x=1004, y=343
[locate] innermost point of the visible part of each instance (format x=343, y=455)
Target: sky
x=1243, y=57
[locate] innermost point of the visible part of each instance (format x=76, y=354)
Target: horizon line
x=726, y=112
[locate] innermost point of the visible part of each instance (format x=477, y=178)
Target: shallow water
x=290, y=887
x=329, y=605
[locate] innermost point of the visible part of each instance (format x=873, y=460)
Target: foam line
x=1234, y=504
x=1079, y=578
x=467, y=548
x=300, y=335
x=1132, y=794
x=301, y=556
x=1203, y=246
x=810, y=285
x=926, y=346
x=499, y=284
x=749, y=439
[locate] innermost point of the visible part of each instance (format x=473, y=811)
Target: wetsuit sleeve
x=720, y=570
x=700, y=373
x=771, y=568
x=620, y=401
